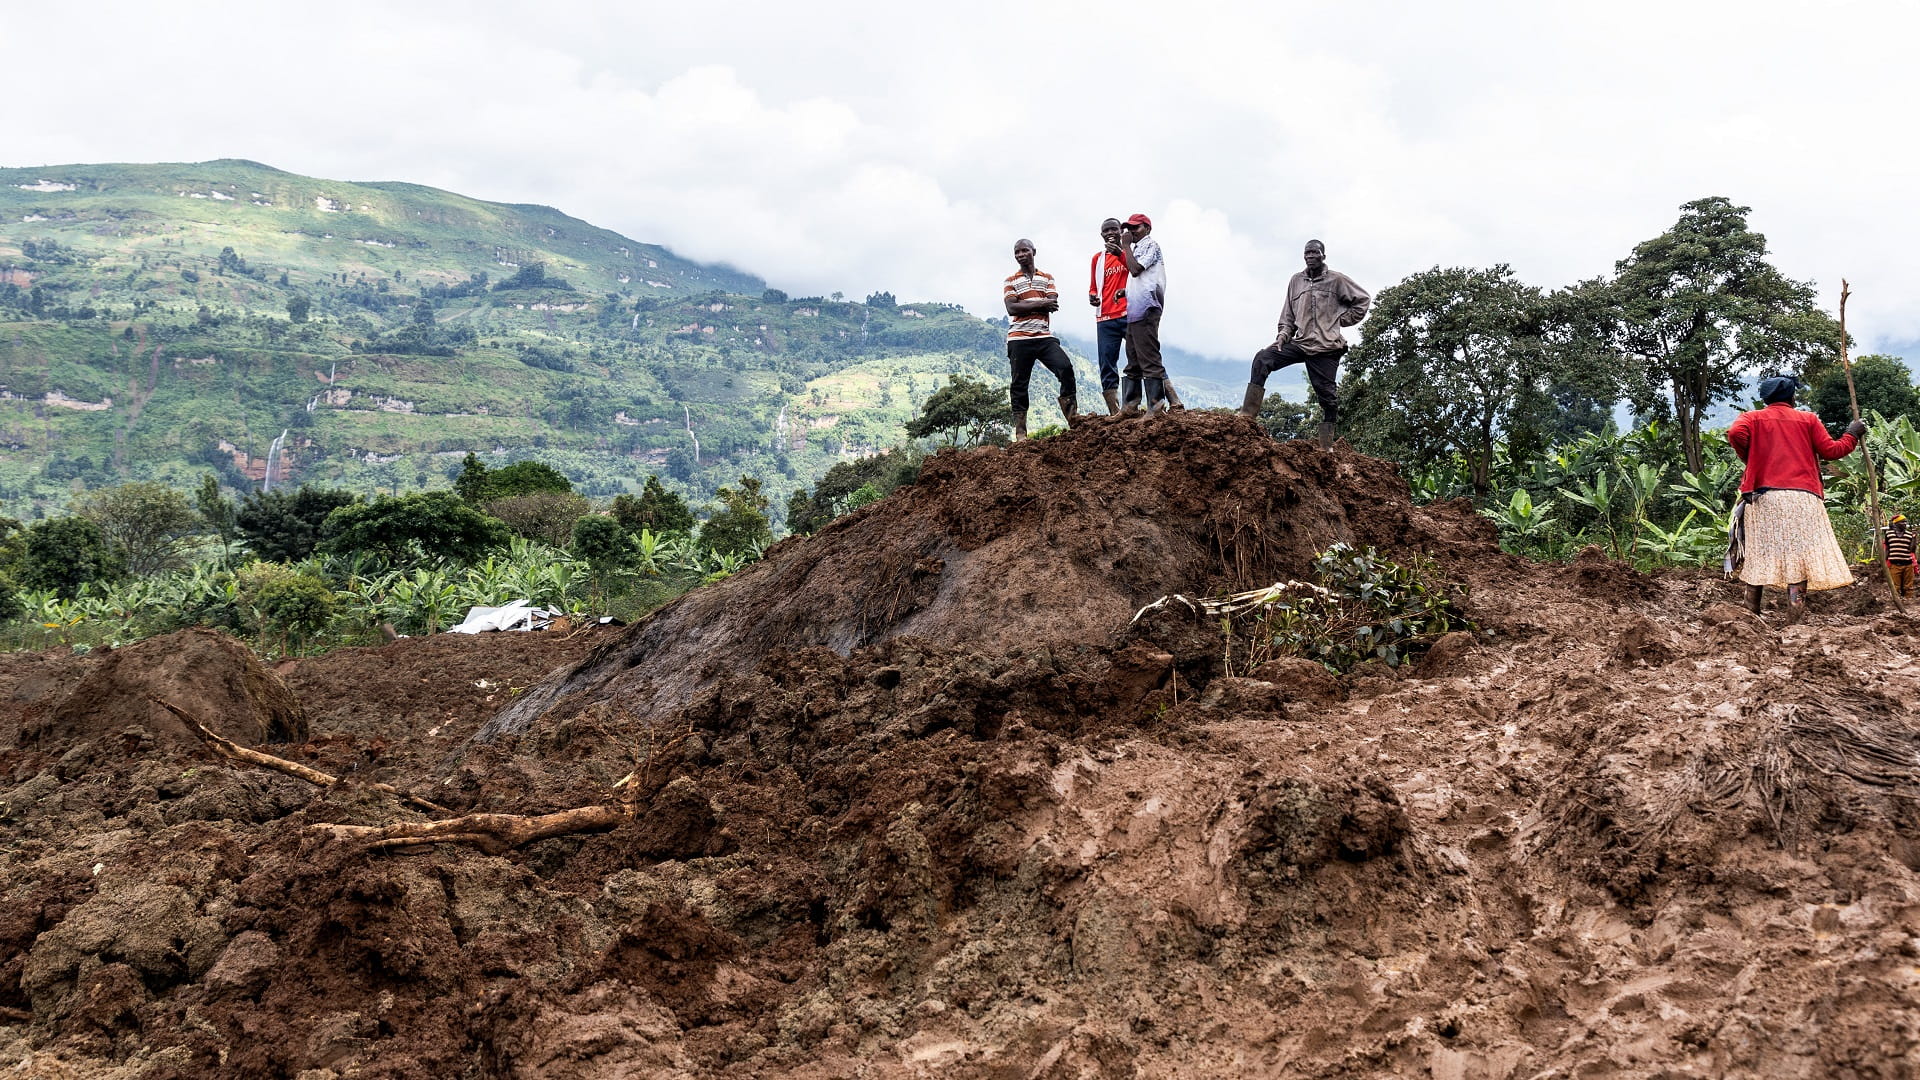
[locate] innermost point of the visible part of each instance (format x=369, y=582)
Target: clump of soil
x=204, y=672
x=1624, y=829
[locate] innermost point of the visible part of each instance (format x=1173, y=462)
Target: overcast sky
x=856, y=147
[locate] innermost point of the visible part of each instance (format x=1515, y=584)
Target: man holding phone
x=1107, y=292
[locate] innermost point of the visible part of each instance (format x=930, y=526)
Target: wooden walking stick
x=1873, y=480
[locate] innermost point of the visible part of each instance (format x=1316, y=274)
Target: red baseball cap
x=1140, y=219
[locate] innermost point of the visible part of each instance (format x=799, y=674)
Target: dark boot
x=1067, y=409
x=1796, y=602
x=1753, y=598
x=1129, y=395
x=1174, y=404
x=1113, y=401
x=1326, y=434
x=1250, y=401
x=1156, y=399
x=1019, y=426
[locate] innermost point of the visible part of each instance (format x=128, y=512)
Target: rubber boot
x=1068, y=410
x=1796, y=602
x=1019, y=426
x=1174, y=404
x=1326, y=434
x=1753, y=598
x=1129, y=395
x=1250, y=401
x=1156, y=398
x=1113, y=401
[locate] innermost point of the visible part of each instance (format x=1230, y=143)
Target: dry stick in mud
x=497, y=833
x=1873, y=481
x=231, y=750
x=491, y=833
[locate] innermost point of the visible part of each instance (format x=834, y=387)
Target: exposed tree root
x=227, y=748
x=491, y=833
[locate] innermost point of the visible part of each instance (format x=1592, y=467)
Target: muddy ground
x=964, y=821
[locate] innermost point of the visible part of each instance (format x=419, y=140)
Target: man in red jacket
x=1786, y=539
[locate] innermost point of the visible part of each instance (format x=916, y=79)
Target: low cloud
x=843, y=147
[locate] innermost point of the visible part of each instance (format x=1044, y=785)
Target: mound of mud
x=204, y=672
x=1049, y=542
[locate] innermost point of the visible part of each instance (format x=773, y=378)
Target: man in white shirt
x=1146, y=296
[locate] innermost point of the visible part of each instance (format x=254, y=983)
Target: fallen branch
x=227, y=748
x=491, y=833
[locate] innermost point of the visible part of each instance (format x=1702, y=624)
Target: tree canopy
x=739, y=525
x=435, y=524
x=61, y=554
x=655, y=509
x=148, y=525
x=1449, y=360
x=1700, y=310
x=1883, y=383
x=284, y=526
x=965, y=411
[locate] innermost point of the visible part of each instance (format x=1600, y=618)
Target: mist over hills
x=160, y=321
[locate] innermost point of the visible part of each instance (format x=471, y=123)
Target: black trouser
x=1323, y=371
x=1110, y=333
x=1143, y=347
x=1021, y=354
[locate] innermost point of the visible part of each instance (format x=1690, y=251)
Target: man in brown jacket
x=1319, y=303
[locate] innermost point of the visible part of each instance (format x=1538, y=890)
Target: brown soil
x=917, y=802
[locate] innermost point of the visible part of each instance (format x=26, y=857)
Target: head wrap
x=1778, y=388
x=1898, y=519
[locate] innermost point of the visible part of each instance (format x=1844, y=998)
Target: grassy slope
x=599, y=381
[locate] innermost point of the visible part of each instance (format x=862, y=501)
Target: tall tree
x=1447, y=359
x=65, y=553
x=1700, y=311
x=740, y=524
x=655, y=509
x=216, y=510
x=965, y=411
x=148, y=525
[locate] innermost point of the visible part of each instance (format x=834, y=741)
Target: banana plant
x=1640, y=484
x=1602, y=498
x=1711, y=490
x=1694, y=545
x=425, y=598
x=1521, y=519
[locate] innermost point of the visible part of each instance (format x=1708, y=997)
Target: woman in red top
x=1789, y=541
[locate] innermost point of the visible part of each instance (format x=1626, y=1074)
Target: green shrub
x=1360, y=606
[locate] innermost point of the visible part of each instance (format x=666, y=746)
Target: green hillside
x=157, y=321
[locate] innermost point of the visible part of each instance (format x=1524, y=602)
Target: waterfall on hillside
x=690, y=434
x=312, y=401
x=780, y=429
x=273, y=454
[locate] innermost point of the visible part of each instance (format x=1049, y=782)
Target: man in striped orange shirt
x=1031, y=298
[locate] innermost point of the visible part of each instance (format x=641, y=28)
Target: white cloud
x=854, y=148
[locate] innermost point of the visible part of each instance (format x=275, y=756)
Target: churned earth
x=917, y=797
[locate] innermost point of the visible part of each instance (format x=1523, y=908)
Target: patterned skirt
x=1789, y=539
